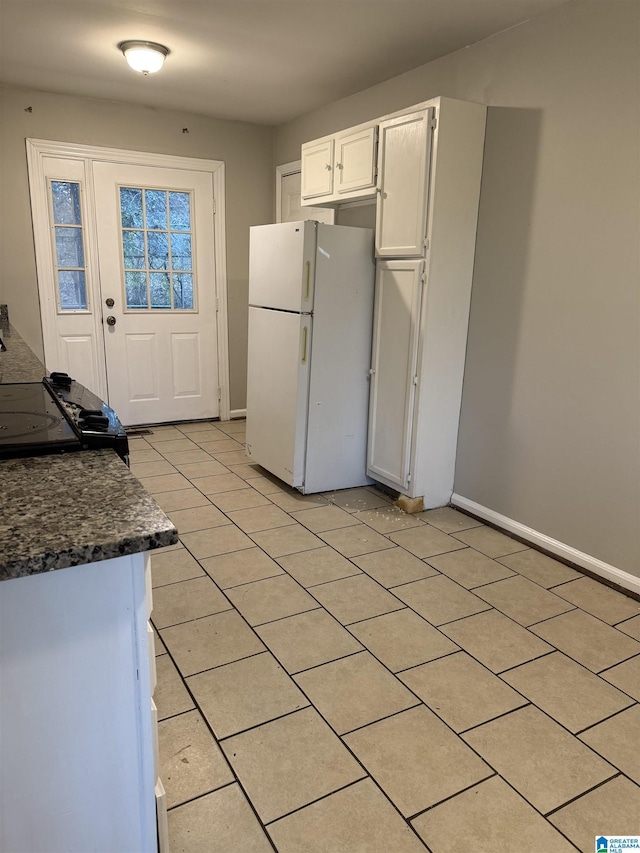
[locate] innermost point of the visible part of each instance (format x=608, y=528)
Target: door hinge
x=433, y=123
x=408, y=478
x=219, y=393
x=217, y=304
x=415, y=379
x=423, y=277
x=426, y=242
x=214, y=205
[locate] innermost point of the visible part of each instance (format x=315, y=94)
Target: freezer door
x=278, y=391
x=282, y=265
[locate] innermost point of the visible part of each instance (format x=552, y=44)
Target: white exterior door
x=396, y=325
x=136, y=231
x=403, y=169
x=156, y=260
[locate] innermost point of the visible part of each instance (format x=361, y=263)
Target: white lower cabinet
x=77, y=765
x=394, y=370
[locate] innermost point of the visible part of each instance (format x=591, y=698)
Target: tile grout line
x=604, y=720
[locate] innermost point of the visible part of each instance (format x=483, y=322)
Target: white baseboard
x=237, y=413
x=553, y=546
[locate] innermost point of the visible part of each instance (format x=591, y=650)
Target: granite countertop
x=19, y=363
x=67, y=509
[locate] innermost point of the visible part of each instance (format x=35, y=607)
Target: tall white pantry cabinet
x=425, y=178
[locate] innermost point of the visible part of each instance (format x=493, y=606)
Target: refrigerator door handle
x=305, y=333
x=307, y=287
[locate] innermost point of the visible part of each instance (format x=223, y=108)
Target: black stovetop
x=56, y=415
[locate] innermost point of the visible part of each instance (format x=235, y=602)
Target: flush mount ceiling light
x=147, y=57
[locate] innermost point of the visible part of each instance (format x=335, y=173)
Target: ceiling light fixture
x=147, y=57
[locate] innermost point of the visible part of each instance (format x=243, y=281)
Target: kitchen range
x=56, y=415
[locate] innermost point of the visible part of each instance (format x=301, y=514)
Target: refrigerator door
x=282, y=266
x=278, y=391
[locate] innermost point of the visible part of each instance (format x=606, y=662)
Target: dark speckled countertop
x=68, y=509
x=19, y=363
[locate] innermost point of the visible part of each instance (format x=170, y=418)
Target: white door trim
x=37, y=149
x=281, y=172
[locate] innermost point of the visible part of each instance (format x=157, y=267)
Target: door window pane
x=131, y=207
x=66, y=203
x=160, y=292
x=157, y=251
x=156, y=208
x=72, y=290
x=181, y=251
x=69, y=252
x=179, y=209
x=183, y=290
x=136, y=287
x=133, y=247
x=68, y=245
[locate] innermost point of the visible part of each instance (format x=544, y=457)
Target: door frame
x=283, y=171
x=37, y=150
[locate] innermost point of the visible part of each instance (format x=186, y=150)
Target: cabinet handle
x=305, y=333
x=328, y=166
x=338, y=165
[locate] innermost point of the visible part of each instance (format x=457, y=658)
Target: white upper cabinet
x=355, y=167
x=317, y=169
x=403, y=172
x=339, y=168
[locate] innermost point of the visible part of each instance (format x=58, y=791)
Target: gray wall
x=550, y=422
x=245, y=148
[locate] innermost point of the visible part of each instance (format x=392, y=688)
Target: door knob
x=111, y=320
x=109, y=302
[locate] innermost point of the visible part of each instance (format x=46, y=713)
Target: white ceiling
x=263, y=61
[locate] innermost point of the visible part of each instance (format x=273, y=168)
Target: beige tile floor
x=335, y=676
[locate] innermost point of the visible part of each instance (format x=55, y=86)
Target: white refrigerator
x=310, y=325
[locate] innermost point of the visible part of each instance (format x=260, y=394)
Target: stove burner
x=26, y=424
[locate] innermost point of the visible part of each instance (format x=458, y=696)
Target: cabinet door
x=393, y=372
x=355, y=167
x=403, y=173
x=317, y=168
